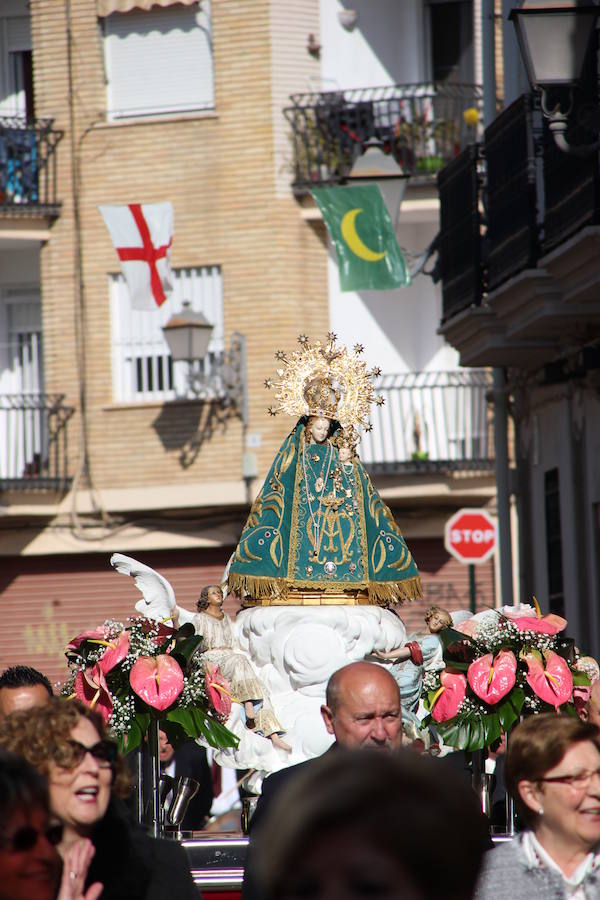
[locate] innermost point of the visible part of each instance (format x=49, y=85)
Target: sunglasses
x=70, y=753
x=27, y=837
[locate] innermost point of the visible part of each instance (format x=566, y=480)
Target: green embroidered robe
x=319, y=524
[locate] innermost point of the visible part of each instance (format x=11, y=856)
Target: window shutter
x=159, y=61
x=142, y=366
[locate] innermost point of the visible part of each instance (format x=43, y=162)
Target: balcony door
x=16, y=68
x=23, y=432
x=449, y=25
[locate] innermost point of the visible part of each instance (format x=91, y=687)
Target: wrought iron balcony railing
x=461, y=260
x=33, y=442
x=28, y=165
x=422, y=125
x=431, y=421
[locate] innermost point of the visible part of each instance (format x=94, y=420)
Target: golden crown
x=324, y=379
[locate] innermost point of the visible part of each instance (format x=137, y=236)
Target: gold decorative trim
x=263, y=591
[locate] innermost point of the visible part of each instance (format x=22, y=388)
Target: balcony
x=431, y=422
x=519, y=242
x=28, y=167
x=422, y=125
x=33, y=442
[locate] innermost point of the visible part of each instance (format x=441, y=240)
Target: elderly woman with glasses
x=87, y=780
x=30, y=866
x=552, y=771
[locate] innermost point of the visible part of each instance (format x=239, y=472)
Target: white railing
x=435, y=417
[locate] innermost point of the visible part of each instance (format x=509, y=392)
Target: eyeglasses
x=579, y=780
x=70, y=753
x=27, y=837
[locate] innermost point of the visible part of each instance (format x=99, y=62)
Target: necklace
x=318, y=519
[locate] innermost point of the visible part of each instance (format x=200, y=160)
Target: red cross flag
x=142, y=234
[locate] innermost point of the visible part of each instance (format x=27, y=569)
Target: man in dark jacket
x=362, y=709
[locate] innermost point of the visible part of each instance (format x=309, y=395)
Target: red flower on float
x=116, y=651
x=90, y=687
x=158, y=680
x=218, y=690
x=550, y=624
x=553, y=683
x=93, y=634
x=493, y=678
x=449, y=695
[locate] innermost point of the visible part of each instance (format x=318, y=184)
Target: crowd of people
x=371, y=817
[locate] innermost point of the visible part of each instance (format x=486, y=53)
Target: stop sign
x=470, y=535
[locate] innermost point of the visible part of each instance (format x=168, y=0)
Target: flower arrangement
x=500, y=667
x=144, y=671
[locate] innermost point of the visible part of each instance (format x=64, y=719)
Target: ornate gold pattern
x=324, y=379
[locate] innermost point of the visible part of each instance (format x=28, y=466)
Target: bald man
x=22, y=687
x=362, y=709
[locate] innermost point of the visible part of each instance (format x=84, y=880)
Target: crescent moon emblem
x=360, y=249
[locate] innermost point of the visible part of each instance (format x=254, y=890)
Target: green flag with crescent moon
x=368, y=254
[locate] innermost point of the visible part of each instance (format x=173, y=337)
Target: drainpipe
x=499, y=386
x=502, y=488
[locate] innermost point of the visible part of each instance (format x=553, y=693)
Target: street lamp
x=219, y=377
x=376, y=167
x=554, y=39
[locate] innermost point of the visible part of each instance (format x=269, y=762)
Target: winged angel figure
x=158, y=597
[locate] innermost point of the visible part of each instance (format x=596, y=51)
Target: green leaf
x=491, y=728
x=580, y=678
x=185, y=649
x=506, y=714
x=138, y=729
x=197, y=723
x=517, y=699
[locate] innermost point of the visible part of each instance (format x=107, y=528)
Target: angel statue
x=318, y=532
x=215, y=627
x=423, y=652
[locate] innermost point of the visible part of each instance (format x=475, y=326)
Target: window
x=159, y=61
x=142, y=366
x=16, y=71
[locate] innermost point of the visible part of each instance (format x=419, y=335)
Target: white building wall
x=384, y=47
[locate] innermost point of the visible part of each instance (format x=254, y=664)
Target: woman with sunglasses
x=87, y=780
x=30, y=866
x=552, y=771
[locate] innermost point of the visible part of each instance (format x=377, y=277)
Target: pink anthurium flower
x=550, y=624
x=449, y=696
x=158, y=680
x=91, y=688
x=553, y=683
x=218, y=690
x=93, y=634
x=116, y=650
x=492, y=679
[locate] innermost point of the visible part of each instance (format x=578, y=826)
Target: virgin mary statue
x=318, y=532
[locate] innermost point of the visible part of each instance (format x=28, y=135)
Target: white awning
x=106, y=7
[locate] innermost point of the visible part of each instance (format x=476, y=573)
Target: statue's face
x=318, y=429
x=344, y=454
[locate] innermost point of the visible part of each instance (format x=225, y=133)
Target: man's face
x=367, y=712
x=14, y=698
x=165, y=749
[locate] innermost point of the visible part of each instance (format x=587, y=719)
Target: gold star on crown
x=323, y=379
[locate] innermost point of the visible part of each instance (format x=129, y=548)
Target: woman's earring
x=540, y=811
